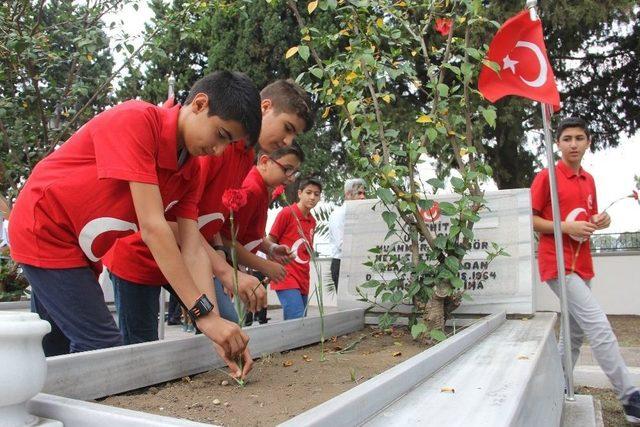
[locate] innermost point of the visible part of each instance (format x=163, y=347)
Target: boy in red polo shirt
x=278, y=168
x=579, y=211
x=120, y=173
x=293, y=291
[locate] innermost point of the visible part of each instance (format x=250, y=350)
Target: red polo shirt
x=285, y=230
x=130, y=259
x=77, y=201
x=577, y=196
x=250, y=220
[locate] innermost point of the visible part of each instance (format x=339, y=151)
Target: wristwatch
x=227, y=252
x=200, y=308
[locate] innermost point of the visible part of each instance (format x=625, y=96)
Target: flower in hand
x=234, y=199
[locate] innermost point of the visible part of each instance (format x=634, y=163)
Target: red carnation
x=234, y=199
x=277, y=192
x=443, y=26
x=634, y=194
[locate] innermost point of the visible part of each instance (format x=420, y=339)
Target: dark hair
x=283, y=151
x=232, y=96
x=307, y=181
x=572, y=122
x=287, y=96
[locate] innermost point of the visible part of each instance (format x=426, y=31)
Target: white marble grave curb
x=355, y=406
x=100, y=373
x=86, y=414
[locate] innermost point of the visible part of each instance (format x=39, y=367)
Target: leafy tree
x=380, y=47
x=54, y=58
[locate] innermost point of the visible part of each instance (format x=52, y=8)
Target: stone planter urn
x=23, y=367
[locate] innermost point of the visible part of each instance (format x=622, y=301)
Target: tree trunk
x=433, y=316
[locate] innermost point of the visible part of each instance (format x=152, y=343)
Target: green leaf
x=443, y=89
x=425, y=204
x=317, y=72
x=437, y=335
x=418, y=329
x=467, y=233
x=452, y=263
x=352, y=105
x=432, y=134
x=385, y=195
x=489, y=115
x=303, y=51
x=370, y=284
x=435, y=183
x=457, y=183
x=457, y=283
x=448, y=209
x=390, y=218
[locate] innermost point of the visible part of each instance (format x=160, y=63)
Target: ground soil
x=280, y=386
x=625, y=327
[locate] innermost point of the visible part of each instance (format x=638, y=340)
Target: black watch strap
x=200, y=308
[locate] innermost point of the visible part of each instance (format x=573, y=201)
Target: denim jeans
x=293, y=303
x=72, y=301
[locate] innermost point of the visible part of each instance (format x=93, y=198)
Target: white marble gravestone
x=505, y=284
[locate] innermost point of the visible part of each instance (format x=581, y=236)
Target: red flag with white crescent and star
x=518, y=48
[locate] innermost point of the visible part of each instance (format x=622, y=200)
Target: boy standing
x=116, y=175
x=579, y=210
x=294, y=227
x=272, y=170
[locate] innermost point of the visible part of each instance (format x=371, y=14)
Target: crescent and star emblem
x=294, y=249
x=96, y=227
x=508, y=63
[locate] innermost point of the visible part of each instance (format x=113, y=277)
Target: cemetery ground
x=281, y=385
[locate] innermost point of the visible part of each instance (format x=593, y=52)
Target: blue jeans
x=72, y=301
x=293, y=303
x=138, y=308
x=226, y=307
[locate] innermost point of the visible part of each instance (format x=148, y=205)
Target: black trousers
x=335, y=271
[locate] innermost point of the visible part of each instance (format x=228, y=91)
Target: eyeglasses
x=361, y=193
x=288, y=170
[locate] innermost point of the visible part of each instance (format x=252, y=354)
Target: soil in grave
x=281, y=385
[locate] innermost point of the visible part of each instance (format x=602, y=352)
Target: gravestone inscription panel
x=505, y=283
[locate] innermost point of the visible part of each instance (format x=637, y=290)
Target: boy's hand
x=281, y=254
x=583, y=229
x=247, y=363
x=251, y=292
x=601, y=220
x=275, y=271
x=225, y=334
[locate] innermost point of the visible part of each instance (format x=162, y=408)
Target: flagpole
x=557, y=234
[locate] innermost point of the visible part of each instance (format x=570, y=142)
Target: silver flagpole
x=163, y=296
x=557, y=234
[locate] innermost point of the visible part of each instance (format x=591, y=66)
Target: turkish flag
x=518, y=48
